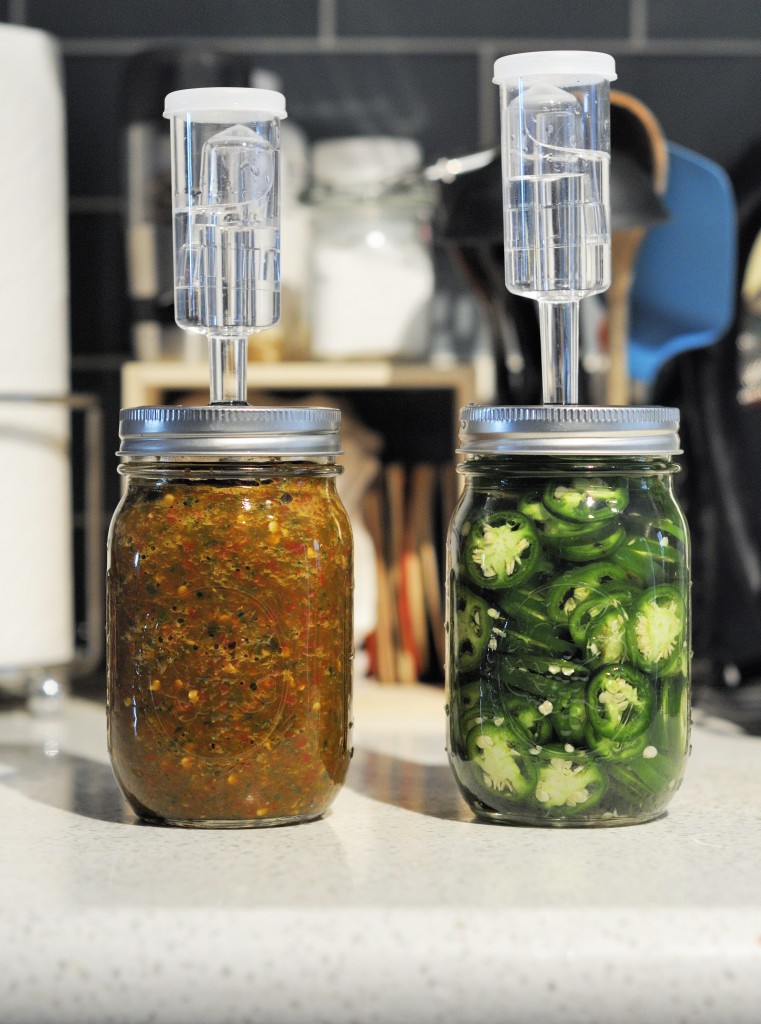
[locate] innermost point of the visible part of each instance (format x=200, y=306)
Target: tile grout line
x=638, y=12
x=326, y=22
x=278, y=45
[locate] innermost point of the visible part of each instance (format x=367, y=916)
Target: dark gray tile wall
x=355, y=66
x=487, y=19
x=692, y=19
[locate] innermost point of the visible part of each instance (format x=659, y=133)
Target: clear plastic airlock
x=226, y=212
x=555, y=115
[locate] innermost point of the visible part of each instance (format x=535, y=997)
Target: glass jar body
x=229, y=641
x=365, y=252
x=568, y=619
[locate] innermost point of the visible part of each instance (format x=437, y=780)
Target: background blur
x=351, y=67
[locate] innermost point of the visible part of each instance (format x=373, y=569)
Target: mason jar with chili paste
x=568, y=675
x=229, y=616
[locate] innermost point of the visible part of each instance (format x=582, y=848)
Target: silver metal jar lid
x=569, y=430
x=229, y=430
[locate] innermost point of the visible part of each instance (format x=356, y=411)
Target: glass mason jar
x=229, y=616
x=568, y=616
x=372, y=273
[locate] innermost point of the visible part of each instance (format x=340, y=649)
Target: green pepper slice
x=506, y=769
x=615, y=750
x=472, y=629
x=644, y=782
x=655, y=527
x=648, y=560
x=606, y=640
x=568, y=783
x=501, y=549
x=542, y=641
x=568, y=590
x=569, y=719
x=527, y=720
x=613, y=595
x=592, y=550
x=620, y=702
x=656, y=630
x=560, y=534
x=527, y=607
x=552, y=679
x=585, y=498
x=530, y=504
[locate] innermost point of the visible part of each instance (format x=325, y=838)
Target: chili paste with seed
x=230, y=645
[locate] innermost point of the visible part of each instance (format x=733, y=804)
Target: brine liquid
x=556, y=234
x=228, y=273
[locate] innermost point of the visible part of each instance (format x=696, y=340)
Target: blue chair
x=684, y=290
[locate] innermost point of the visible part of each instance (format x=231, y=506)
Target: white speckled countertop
x=396, y=907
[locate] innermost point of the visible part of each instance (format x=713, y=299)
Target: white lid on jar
x=569, y=430
x=578, y=66
x=365, y=161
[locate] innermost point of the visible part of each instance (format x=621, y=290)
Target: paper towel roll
x=36, y=599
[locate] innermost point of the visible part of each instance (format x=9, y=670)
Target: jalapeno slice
x=569, y=718
x=506, y=769
x=501, y=549
x=656, y=629
x=527, y=720
x=585, y=498
x=540, y=640
x=560, y=534
x=568, y=782
x=620, y=702
x=472, y=625
x=644, y=781
x=592, y=550
x=614, y=595
x=615, y=750
x=648, y=560
x=552, y=679
x=526, y=606
x=568, y=590
x=530, y=504
x=606, y=640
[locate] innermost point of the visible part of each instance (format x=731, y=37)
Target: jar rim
x=569, y=430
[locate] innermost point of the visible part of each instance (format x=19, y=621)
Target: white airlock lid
x=581, y=66
x=224, y=102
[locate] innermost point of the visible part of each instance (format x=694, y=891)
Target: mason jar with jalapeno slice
x=591, y=681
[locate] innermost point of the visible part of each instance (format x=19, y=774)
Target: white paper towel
x=36, y=599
